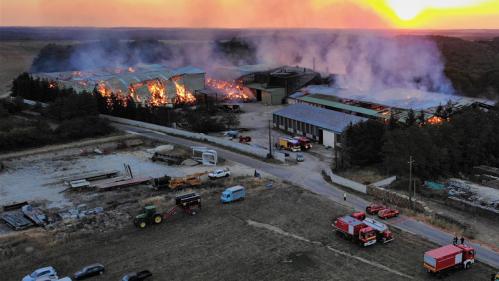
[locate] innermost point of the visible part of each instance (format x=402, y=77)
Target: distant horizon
x=251, y=14
x=250, y=28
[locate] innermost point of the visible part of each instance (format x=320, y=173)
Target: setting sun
x=370, y=14
x=409, y=10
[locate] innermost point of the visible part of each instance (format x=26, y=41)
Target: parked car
x=44, y=272
x=89, y=271
x=300, y=158
x=388, y=213
x=219, y=173
x=137, y=276
x=374, y=208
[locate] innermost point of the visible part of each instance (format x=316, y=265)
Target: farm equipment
x=184, y=202
x=304, y=143
x=178, y=182
x=450, y=256
x=244, y=139
x=289, y=144
x=355, y=230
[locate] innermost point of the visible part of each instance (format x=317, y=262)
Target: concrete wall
x=385, y=182
x=248, y=149
x=346, y=182
x=328, y=138
x=274, y=96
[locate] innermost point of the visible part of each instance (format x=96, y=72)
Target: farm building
x=382, y=104
x=322, y=125
x=147, y=84
x=274, y=86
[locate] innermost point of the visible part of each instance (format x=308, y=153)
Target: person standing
x=462, y=240
x=344, y=196
x=454, y=241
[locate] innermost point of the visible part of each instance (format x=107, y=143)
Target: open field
x=16, y=57
x=282, y=233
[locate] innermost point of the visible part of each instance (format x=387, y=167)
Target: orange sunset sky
x=418, y=14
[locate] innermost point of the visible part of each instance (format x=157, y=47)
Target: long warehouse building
x=322, y=125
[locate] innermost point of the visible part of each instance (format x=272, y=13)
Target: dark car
x=89, y=271
x=137, y=276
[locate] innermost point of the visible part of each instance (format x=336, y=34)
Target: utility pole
x=270, y=142
x=411, y=161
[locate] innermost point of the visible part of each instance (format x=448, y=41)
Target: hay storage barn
x=322, y=125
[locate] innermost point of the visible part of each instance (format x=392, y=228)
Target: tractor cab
x=149, y=216
x=150, y=210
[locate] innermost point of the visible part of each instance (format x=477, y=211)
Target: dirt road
x=282, y=233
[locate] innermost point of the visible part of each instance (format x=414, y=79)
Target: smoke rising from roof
x=363, y=61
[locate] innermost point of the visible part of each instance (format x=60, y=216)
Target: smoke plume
x=362, y=61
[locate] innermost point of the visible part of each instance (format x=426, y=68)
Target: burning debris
x=149, y=85
x=231, y=91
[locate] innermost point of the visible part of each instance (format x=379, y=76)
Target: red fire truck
x=304, y=143
x=449, y=256
x=355, y=230
x=289, y=144
x=383, y=234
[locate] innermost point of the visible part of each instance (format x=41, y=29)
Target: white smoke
x=364, y=62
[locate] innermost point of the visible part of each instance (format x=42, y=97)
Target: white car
x=219, y=173
x=44, y=273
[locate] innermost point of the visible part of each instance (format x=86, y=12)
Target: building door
x=320, y=136
x=328, y=138
x=258, y=95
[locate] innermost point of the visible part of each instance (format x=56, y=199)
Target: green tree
x=411, y=118
x=363, y=142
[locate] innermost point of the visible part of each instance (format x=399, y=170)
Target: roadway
x=311, y=179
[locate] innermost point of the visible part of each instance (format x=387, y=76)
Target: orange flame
x=231, y=90
x=158, y=93
x=434, y=120
x=183, y=94
x=52, y=84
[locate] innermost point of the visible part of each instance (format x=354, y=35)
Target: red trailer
x=356, y=230
x=449, y=256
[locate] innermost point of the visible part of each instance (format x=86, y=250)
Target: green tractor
x=149, y=216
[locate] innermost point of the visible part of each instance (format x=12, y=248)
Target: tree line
x=467, y=139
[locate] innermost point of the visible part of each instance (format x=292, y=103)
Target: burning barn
x=273, y=86
x=383, y=104
x=155, y=84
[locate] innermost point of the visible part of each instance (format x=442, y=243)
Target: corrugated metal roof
x=395, y=97
x=339, y=105
x=324, y=118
